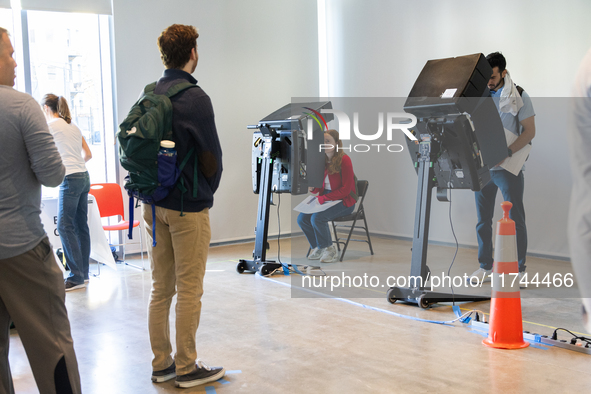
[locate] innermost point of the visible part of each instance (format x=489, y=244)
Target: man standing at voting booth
x=31, y=283
x=517, y=115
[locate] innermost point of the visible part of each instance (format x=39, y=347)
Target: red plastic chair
x=109, y=199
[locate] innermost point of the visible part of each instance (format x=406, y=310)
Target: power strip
x=577, y=346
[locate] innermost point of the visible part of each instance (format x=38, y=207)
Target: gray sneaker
x=481, y=275
x=315, y=253
x=202, y=374
x=165, y=374
x=330, y=255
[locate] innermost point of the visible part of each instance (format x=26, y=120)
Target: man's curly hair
x=175, y=44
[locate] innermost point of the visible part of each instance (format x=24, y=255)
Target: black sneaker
x=73, y=286
x=202, y=374
x=164, y=375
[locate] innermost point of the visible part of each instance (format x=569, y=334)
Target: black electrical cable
x=279, y=236
x=584, y=339
x=456, y=239
x=279, y=225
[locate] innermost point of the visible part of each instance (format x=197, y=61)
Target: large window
x=68, y=54
x=6, y=19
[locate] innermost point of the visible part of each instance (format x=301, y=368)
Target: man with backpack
x=181, y=219
x=517, y=115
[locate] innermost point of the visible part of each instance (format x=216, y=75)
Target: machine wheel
x=423, y=302
x=390, y=297
x=241, y=267
x=265, y=270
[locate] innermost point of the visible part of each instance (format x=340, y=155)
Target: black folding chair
x=357, y=215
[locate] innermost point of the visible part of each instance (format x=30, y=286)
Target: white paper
x=515, y=163
x=311, y=205
x=449, y=93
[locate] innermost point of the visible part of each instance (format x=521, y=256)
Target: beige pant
x=178, y=266
x=32, y=295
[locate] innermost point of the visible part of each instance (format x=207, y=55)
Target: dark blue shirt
x=193, y=125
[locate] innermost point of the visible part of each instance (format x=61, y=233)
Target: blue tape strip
x=285, y=269
x=481, y=333
x=480, y=329
x=233, y=371
x=458, y=312
x=532, y=344
x=222, y=381
x=443, y=323
x=210, y=390
x=447, y=323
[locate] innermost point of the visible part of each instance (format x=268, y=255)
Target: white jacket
x=510, y=101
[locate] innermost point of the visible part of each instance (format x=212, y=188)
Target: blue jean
x=315, y=225
x=72, y=224
x=512, y=189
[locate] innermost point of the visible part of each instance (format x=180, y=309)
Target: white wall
x=377, y=49
x=253, y=57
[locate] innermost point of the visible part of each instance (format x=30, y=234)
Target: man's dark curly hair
x=175, y=44
x=496, y=59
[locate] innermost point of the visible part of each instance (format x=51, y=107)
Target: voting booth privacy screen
x=298, y=162
x=452, y=102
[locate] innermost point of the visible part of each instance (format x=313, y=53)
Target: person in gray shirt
x=31, y=283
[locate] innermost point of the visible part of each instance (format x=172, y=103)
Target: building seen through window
x=68, y=54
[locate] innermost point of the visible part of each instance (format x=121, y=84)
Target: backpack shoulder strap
x=179, y=87
x=520, y=90
x=150, y=88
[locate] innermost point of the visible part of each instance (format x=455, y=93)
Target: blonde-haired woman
x=72, y=220
x=339, y=184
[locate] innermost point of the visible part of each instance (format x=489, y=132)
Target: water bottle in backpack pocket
x=168, y=170
x=168, y=175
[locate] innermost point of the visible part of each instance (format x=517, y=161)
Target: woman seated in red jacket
x=338, y=185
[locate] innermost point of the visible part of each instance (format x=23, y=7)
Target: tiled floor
x=273, y=340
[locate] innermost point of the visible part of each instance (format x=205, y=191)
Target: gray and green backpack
x=151, y=176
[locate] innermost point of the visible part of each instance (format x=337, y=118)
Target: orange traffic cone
x=506, y=329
